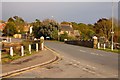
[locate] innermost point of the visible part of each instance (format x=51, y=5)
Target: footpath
x=41, y=58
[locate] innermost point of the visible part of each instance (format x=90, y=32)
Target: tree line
x=49, y=28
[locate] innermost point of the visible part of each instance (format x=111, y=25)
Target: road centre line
x=96, y=54
x=82, y=51
x=91, y=66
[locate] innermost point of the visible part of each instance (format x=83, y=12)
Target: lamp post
x=112, y=27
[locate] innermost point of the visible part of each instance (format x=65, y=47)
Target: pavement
x=41, y=58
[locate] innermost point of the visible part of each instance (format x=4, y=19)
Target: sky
x=80, y=12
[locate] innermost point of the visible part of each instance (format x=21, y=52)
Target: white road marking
x=96, y=54
x=88, y=70
x=75, y=64
x=82, y=51
x=100, y=54
x=91, y=66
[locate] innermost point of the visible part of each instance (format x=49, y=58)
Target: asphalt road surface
x=76, y=62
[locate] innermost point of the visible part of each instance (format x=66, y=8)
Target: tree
x=20, y=23
x=46, y=28
x=63, y=36
x=10, y=29
x=103, y=28
x=37, y=26
x=54, y=34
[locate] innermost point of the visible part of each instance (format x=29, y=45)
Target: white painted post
x=11, y=51
x=22, y=51
x=104, y=45
x=95, y=41
x=36, y=47
x=42, y=42
x=31, y=29
x=42, y=46
x=10, y=39
x=30, y=48
x=98, y=45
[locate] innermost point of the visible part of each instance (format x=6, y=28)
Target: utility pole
x=112, y=26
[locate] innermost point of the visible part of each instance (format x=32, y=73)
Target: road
x=76, y=62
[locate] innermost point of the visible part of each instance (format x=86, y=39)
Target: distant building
x=2, y=25
x=26, y=28
x=76, y=33
x=67, y=28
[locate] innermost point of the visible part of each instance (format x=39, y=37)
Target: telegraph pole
x=112, y=26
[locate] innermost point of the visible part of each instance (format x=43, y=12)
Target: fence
x=20, y=48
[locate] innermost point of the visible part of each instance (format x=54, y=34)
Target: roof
x=66, y=28
x=2, y=25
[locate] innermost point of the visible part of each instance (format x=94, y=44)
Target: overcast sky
x=81, y=12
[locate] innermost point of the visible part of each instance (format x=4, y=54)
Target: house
x=2, y=25
x=76, y=33
x=67, y=28
x=26, y=28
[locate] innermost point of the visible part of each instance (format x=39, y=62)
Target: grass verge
x=6, y=58
x=109, y=50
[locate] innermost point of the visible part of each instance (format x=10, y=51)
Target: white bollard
x=42, y=46
x=10, y=39
x=36, y=47
x=42, y=42
x=104, y=46
x=30, y=48
x=22, y=51
x=98, y=45
x=11, y=51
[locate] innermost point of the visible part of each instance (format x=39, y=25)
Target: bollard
x=36, y=47
x=95, y=41
x=10, y=39
x=104, y=45
x=22, y=51
x=11, y=51
x=42, y=46
x=30, y=48
x=42, y=43
x=98, y=45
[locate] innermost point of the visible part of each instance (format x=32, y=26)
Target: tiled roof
x=66, y=28
x=2, y=25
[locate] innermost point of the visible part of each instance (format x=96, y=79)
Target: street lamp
x=112, y=27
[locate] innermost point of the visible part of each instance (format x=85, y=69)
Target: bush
x=63, y=36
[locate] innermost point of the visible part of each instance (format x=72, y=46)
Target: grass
x=109, y=50
x=6, y=58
